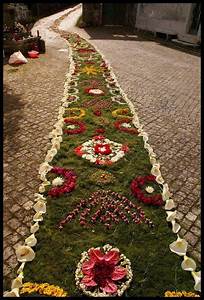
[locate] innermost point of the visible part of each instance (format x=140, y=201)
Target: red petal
x=112, y=257
x=96, y=255
x=87, y=266
x=118, y=273
x=110, y=287
x=88, y=281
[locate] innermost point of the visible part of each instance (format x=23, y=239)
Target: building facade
x=180, y=19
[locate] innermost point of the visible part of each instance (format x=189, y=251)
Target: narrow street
x=164, y=85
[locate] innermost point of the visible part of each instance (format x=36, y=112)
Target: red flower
x=102, y=149
x=81, y=126
x=101, y=270
x=118, y=125
x=97, y=113
x=78, y=151
x=99, y=137
x=100, y=130
x=136, y=186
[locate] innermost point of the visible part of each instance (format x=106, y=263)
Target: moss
x=155, y=268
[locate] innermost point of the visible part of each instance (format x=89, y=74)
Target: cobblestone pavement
x=163, y=84
x=32, y=95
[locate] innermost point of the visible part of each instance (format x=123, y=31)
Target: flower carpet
x=105, y=223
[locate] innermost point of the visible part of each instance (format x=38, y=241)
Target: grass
x=155, y=268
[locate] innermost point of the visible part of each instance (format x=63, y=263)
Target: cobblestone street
x=164, y=85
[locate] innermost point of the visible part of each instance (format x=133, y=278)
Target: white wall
x=171, y=18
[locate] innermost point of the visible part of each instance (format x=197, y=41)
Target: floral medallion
x=103, y=272
x=121, y=113
x=107, y=208
x=102, y=151
x=94, y=91
x=74, y=113
x=136, y=188
x=63, y=184
x=73, y=126
x=125, y=125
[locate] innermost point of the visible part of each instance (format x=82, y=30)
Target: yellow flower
x=43, y=289
x=90, y=70
x=180, y=294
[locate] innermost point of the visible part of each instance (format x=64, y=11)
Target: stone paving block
x=191, y=217
x=191, y=238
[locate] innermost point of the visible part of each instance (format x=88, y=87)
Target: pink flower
x=101, y=270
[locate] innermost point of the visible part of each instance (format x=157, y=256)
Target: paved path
x=32, y=95
x=164, y=85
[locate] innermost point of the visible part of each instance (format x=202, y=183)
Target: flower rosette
x=103, y=272
x=136, y=188
x=73, y=126
x=125, y=125
x=101, y=151
x=65, y=185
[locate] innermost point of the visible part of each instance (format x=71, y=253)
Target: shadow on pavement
x=129, y=34
x=13, y=112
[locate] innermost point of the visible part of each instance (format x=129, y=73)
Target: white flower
x=50, y=154
x=40, y=207
x=149, y=189
x=96, y=91
x=57, y=181
x=34, y=228
x=71, y=126
x=38, y=217
x=160, y=179
x=20, y=269
x=152, y=160
x=188, y=264
x=25, y=253
x=197, y=278
x=12, y=293
x=39, y=197
x=155, y=170
x=175, y=226
x=42, y=186
x=17, y=282
x=171, y=215
x=31, y=240
x=126, y=125
x=165, y=193
x=44, y=168
x=169, y=204
x=179, y=246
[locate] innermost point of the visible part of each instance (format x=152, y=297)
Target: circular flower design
x=69, y=182
x=74, y=113
x=136, y=186
x=123, y=125
x=120, y=112
x=103, y=272
x=81, y=126
x=101, y=151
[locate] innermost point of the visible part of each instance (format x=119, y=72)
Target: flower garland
x=68, y=185
x=136, y=185
x=103, y=272
x=72, y=112
x=124, y=125
x=43, y=289
x=73, y=130
x=180, y=294
x=106, y=207
x=120, y=112
x=102, y=151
